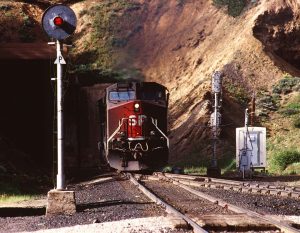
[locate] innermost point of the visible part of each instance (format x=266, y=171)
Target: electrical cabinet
x=251, y=148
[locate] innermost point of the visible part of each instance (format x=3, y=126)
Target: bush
x=297, y=123
x=235, y=7
x=288, y=112
x=283, y=158
x=293, y=169
x=292, y=108
x=6, y=7
x=286, y=85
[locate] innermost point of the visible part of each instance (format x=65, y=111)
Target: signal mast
x=215, y=122
x=59, y=22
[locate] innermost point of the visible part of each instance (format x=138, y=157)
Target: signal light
x=58, y=21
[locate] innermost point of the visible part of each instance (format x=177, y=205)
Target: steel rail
x=282, y=226
x=233, y=185
x=169, y=208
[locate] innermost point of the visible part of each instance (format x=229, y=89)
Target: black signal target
x=59, y=21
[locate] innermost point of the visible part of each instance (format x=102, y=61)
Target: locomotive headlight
x=136, y=107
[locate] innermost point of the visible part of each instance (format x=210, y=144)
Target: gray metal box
x=255, y=147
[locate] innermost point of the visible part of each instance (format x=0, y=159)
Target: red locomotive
x=134, y=127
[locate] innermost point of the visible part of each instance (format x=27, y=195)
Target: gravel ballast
x=110, y=201
x=183, y=200
x=265, y=204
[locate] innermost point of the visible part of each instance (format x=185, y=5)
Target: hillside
x=180, y=44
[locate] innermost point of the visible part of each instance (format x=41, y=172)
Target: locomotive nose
x=136, y=121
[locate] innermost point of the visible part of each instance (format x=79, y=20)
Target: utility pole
x=213, y=170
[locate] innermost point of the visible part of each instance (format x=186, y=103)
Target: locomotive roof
x=134, y=85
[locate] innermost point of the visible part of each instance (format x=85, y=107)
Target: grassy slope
x=285, y=135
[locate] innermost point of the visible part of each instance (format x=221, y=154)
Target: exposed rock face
x=180, y=46
x=278, y=28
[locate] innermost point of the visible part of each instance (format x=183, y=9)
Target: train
x=133, y=126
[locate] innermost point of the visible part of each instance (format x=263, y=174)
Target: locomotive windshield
x=121, y=95
x=152, y=94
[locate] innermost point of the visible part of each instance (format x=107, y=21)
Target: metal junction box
x=251, y=148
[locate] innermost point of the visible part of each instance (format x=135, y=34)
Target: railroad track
x=169, y=208
x=263, y=222
x=246, y=187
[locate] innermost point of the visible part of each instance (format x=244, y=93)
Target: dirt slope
x=182, y=44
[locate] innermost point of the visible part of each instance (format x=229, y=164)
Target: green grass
x=283, y=158
x=195, y=170
x=292, y=107
x=10, y=198
x=15, y=188
x=12, y=192
x=284, y=145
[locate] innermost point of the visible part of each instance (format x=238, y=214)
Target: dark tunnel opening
x=26, y=100
x=27, y=119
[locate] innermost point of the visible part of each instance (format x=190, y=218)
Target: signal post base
x=213, y=172
x=61, y=202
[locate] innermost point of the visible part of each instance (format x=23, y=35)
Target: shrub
x=283, y=158
x=292, y=108
x=288, y=112
x=286, y=85
x=235, y=7
x=83, y=12
x=297, y=123
x=237, y=91
x=292, y=169
x=6, y=7
x=294, y=105
x=267, y=102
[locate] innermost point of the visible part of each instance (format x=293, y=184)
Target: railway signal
x=59, y=22
x=215, y=122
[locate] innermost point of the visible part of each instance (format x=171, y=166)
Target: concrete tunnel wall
x=82, y=126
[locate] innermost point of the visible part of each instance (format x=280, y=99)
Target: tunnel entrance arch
x=26, y=99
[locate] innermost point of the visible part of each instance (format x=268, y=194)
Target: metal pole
x=60, y=155
x=215, y=128
x=252, y=114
